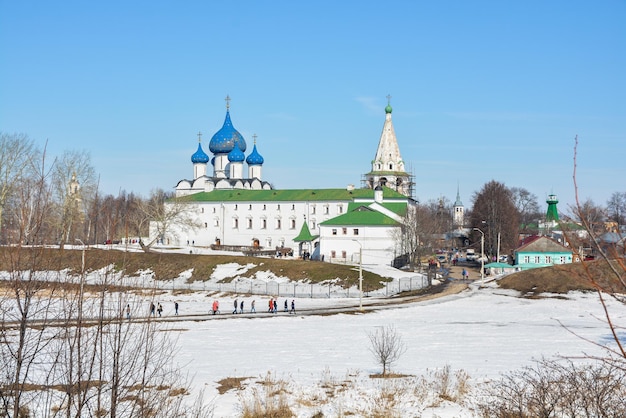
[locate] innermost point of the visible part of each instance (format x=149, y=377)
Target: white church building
x=232, y=209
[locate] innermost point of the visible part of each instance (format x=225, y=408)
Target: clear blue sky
x=481, y=90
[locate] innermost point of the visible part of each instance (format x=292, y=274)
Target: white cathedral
x=230, y=210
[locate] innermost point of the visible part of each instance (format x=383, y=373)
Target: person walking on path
x=235, y=305
x=275, y=305
x=160, y=310
x=215, y=307
x=152, y=308
x=175, y=308
x=293, y=307
x=286, y=306
x=252, y=308
x=464, y=274
x=270, y=305
x=128, y=312
x=241, y=307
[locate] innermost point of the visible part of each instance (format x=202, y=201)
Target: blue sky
x=481, y=90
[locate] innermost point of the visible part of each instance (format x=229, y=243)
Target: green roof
x=388, y=173
x=361, y=217
x=305, y=234
x=399, y=208
x=294, y=195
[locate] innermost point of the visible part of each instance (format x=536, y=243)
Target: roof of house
x=611, y=237
x=293, y=195
x=542, y=245
x=361, y=216
x=398, y=208
x=305, y=234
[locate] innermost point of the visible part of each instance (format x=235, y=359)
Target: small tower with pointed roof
x=388, y=167
x=458, y=216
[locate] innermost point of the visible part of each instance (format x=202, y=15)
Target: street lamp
x=482, y=254
x=360, y=274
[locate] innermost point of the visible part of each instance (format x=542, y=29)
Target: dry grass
x=230, y=383
x=389, y=375
x=170, y=266
x=270, y=402
x=563, y=278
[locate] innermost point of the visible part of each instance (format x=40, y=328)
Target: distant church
x=233, y=207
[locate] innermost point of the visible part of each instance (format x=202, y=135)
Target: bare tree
x=74, y=182
x=616, y=208
x=612, y=284
x=387, y=346
x=495, y=214
x=588, y=214
x=527, y=206
x=17, y=153
x=165, y=214
x=416, y=235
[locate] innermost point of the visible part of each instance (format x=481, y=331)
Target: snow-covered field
x=483, y=331
x=322, y=362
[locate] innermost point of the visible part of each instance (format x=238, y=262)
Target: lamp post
x=482, y=254
x=79, y=319
x=360, y=274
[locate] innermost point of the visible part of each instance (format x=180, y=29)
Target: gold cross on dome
x=227, y=101
x=199, y=136
x=388, y=99
x=254, y=137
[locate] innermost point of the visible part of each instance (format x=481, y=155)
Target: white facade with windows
x=229, y=210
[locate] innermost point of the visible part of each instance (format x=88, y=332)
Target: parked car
x=470, y=254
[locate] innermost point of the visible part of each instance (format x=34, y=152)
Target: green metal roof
x=399, y=208
x=361, y=217
x=294, y=195
x=387, y=173
x=305, y=234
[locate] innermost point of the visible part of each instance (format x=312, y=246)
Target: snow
x=484, y=331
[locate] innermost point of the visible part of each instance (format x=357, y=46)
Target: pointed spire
x=458, y=196
x=227, y=102
x=388, y=158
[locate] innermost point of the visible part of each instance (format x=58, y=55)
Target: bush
x=557, y=389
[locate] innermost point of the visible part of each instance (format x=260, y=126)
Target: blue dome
x=226, y=138
x=236, y=155
x=199, y=156
x=254, y=158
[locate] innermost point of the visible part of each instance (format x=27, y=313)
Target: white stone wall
x=377, y=241
x=239, y=223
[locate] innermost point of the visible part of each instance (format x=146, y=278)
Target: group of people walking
x=154, y=309
x=239, y=306
x=273, y=306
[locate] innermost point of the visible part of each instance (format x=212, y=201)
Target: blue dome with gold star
x=199, y=156
x=236, y=155
x=226, y=138
x=254, y=158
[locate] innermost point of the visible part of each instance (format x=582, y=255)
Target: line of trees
x=503, y=214
x=65, y=188
x=67, y=347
